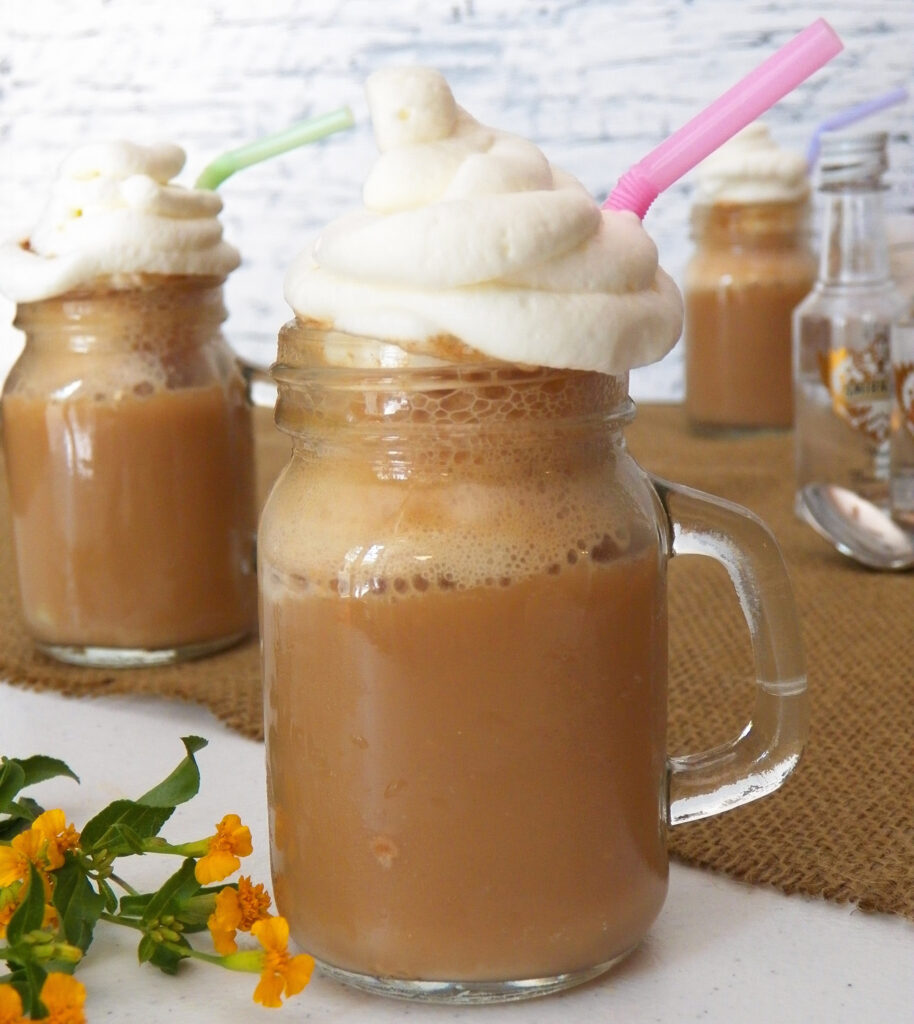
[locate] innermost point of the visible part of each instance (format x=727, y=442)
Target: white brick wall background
x=596, y=83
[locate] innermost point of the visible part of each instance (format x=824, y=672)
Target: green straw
x=272, y=145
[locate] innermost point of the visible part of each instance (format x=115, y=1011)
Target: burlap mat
x=842, y=827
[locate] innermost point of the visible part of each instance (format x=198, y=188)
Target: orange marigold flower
x=231, y=842
x=15, y=858
x=63, y=997
x=282, y=972
x=43, y=844
x=10, y=1006
x=61, y=836
x=236, y=911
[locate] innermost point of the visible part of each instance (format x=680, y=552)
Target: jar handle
x=260, y=388
x=767, y=750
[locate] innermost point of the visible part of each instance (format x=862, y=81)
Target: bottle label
x=858, y=382
x=903, y=374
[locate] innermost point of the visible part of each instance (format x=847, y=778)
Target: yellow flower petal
x=224, y=921
x=13, y=866
x=272, y=933
x=269, y=989
x=213, y=867
x=281, y=972
x=298, y=973
x=10, y=1005
x=231, y=841
x=63, y=996
x=231, y=830
x=50, y=823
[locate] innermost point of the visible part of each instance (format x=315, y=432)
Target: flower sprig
x=57, y=884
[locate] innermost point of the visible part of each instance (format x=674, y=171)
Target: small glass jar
x=752, y=266
x=464, y=633
x=128, y=448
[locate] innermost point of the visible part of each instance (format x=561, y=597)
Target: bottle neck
x=854, y=245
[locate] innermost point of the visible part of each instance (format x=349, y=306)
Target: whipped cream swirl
x=469, y=233
x=115, y=212
x=752, y=168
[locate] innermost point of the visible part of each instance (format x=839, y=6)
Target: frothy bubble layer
x=752, y=168
x=469, y=233
x=114, y=210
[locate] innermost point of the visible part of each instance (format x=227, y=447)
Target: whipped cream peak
x=752, y=168
x=469, y=233
x=121, y=159
x=114, y=211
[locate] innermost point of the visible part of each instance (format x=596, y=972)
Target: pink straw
x=759, y=90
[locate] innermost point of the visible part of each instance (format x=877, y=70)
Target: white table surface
x=721, y=951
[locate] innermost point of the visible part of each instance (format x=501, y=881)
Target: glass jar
x=751, y=267
x=842, y=329
x=464, y=633
x=128, y=450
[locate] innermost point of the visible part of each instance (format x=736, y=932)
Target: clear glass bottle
x=128, y=446
x=463, y=589
x=752, y=266
x=841, y=330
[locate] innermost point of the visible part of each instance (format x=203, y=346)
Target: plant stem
x=123, y=921
x=126, y=886
x=194, y=954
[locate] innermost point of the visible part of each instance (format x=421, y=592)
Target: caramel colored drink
x=752, y=268
x=483, y=839
x=129, y=458
x=465, y=672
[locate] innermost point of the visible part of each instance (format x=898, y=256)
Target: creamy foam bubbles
x=752, y=168
x=469, y=233
x=114, y=211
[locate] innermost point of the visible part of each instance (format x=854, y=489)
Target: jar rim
x=395, y=379
x=319, y=350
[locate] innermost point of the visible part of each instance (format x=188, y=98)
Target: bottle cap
x=852, y=158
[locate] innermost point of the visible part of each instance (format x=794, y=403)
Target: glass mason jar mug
x=751, y=268
x=464, y=629
x=128, y=447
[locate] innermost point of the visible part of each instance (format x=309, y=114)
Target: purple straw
x=845, y=117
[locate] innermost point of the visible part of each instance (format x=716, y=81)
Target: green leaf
x=24, y=811
x=41, y=767
x=146, y=949
x=12, y=779
x=195, y=913
x=11, y=828
x=34, y=975
x=28, y=808
x=108, y=895
x=181, y=886
x=184, y=781
x=78, y=905
x=124, y=836
x=167, y=960
x=133, y=906
x=29, y=914
x=144, y=821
